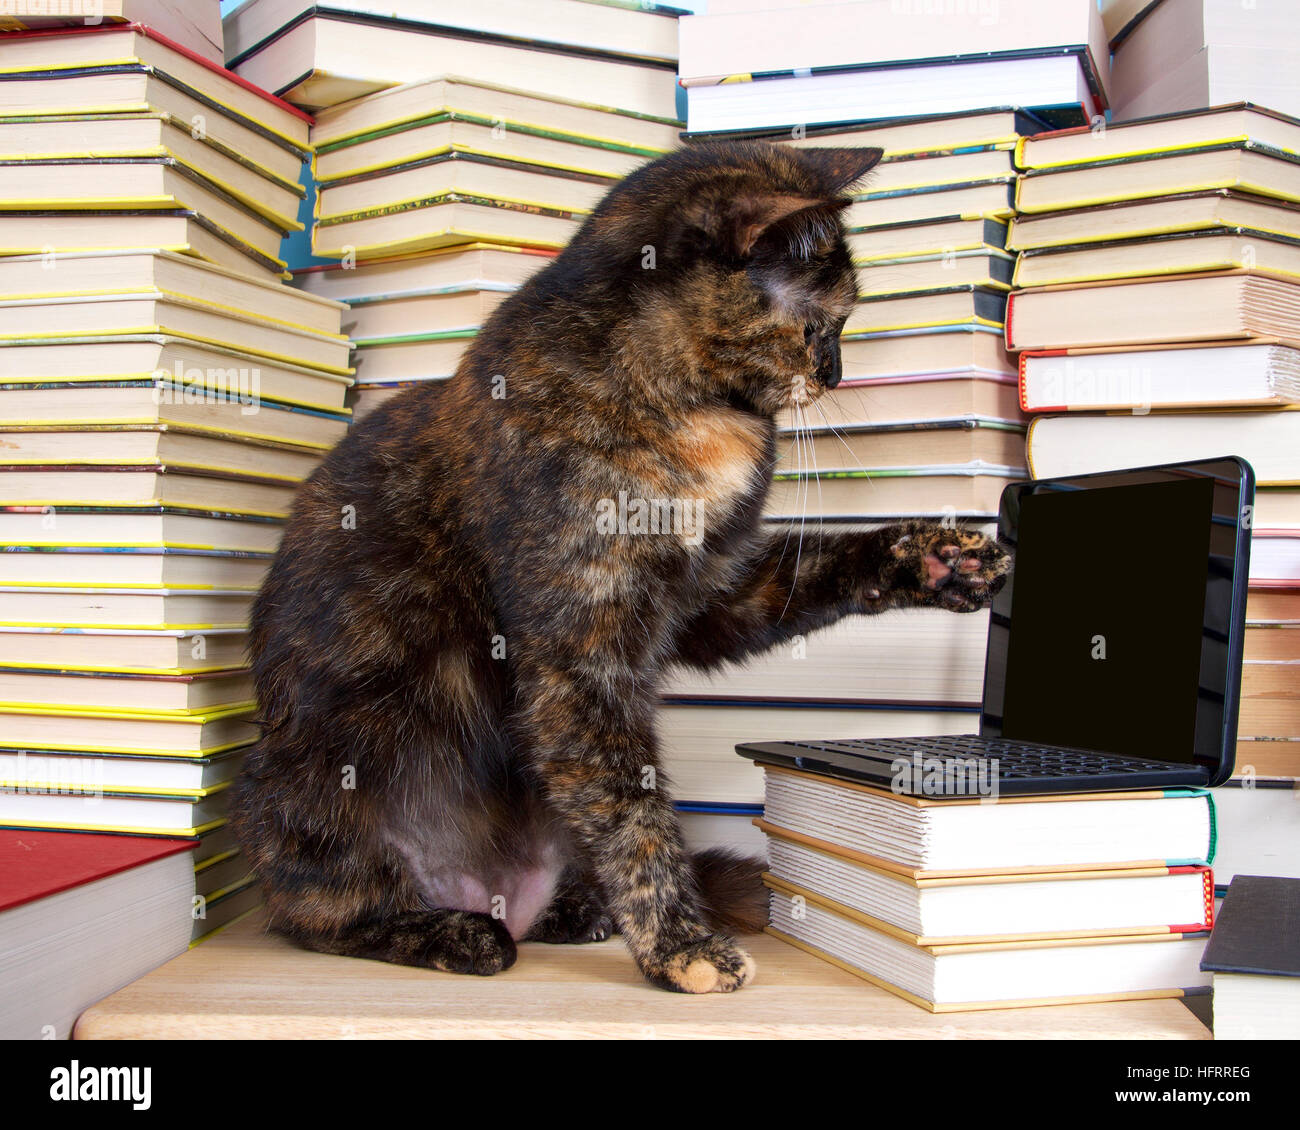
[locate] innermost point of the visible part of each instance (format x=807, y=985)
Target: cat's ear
x=738, y=222
x=841, y=168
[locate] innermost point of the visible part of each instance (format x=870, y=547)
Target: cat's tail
x=731, y=890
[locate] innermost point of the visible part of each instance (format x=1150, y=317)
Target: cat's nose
x=829, y=368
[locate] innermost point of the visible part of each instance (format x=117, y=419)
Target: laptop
x=1114, y=649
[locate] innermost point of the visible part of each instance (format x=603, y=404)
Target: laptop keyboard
x=1016, y=760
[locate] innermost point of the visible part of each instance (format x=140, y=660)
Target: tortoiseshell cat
x=457, y=661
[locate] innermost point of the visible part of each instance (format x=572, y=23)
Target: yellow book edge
x=981, y=941
x=144, y=672
x=119, y=829
x=970, y=1006
x=1146, y=271
x=969, y=320
x=201, y=715
x=140, y=423
x=140, y=751
x=987, y=283
x=140, y=713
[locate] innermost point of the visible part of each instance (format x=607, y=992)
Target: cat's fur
x=458, y=666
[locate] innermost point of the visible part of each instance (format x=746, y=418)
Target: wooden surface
x=246, y=984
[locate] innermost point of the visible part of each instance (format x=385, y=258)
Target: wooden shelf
x=244, y=983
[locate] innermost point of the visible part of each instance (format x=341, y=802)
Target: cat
x=458, y=645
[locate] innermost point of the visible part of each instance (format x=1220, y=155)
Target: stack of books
x=162, y=393
x=440, y=197
x=1254, y=957
x=960, y=905
x=317, y=56
x=926, y=421
x=1157, y=308
x=1182, y=54
x=113, y=136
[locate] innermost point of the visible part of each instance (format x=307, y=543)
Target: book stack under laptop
x=964, y=904
x=1174, y=55
x=1157, y=308
x=440, y=198
x=162, y=393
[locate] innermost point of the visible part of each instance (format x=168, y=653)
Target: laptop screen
x=1114, y=634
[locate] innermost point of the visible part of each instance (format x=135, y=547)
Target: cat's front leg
x=587, y=721
x=929, y=563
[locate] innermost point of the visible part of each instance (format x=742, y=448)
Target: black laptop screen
x=1111, y=636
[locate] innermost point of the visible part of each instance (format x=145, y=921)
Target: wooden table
x=244, y=983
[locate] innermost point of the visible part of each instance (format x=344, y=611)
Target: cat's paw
x=712, y=965
x=571, y=920
x=957, y=569
x=470, y=943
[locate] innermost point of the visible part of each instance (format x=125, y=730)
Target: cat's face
x=750, y=255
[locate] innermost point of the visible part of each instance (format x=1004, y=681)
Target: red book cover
x=34, y=865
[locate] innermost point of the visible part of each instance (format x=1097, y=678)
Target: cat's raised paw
x=712, y=965
x=957, y=569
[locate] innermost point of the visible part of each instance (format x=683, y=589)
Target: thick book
x=1261, y=823
x=974, y=393
x=330, y=56
x=180, y=230
x=472, y=266
x=126, y=609
x=1082, y=443
x=636, y=30
x=149, y=311
x=971, y=349
x=941, y=490
x=227, y=415
x=117, y=567
x=157, y=651
x=914, y=134
x=943, y=235
x=934, y=657
x=989, y=908
x=1256, y=376
x=948, y=305
x=1184, y=253
x=136, y=527
x=1218, y=210
x=992, y=198
x=162, y=694
x=983, y=975
x=354, y=135
x=1254, y=955
x=203, y=449
x=698, y=739
x=816, y=445
x=458, y=173
x=873, y=33
x=985, y=268
x=1168, y=133
x=930, y=838
x=106, y=487
x=1202, y=308
x=81, y=916
x=1244, y=166
x=115, y=731
x=97, y=808
x=196, y=26
x=83, y=770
